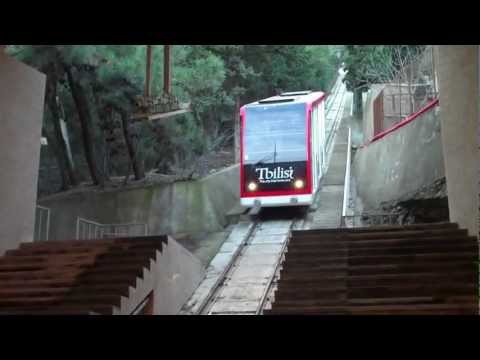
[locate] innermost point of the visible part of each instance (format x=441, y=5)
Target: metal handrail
x=99, y=230
x=346, y=186
x=336, y=123
x=39, y=223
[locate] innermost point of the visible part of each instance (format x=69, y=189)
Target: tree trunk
x=60, y=144
x=82, y=106
x=54, y=150
x=100, y=139
x=357, y=103
x=137, y=164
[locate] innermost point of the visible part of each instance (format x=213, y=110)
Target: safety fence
x=88, y=229
x=346, y=186
x=42, y=224
x=414, y=86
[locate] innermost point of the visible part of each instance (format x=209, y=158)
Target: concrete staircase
x=74, y=277
x=414, y=269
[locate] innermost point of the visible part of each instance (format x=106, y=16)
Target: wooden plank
x=378, y=269
x=445, y=290
x=383, y=250
x=401, y=258
x=184, y=108
x=410, y=271
x=312, y=280
x=311, y=244
x=383, y=228
x=24, y=301
x=382, y=235
x=69, y=272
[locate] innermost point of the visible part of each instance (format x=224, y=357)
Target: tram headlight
x=299, y=184
x=252, y=186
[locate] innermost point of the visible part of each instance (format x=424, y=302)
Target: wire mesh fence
x=414, y=85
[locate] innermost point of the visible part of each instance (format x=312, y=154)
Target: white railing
x=88, y=229
x=333, y=117
x=42, y=223
x=346, y=186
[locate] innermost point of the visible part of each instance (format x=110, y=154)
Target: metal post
x=47, y=235
x=400, y=96
x=167, y=78
x=434, y=74
x=148, y=75
x=410, y=97
x=39, y=227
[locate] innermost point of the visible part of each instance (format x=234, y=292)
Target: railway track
x=246, y=284
x=247, y=280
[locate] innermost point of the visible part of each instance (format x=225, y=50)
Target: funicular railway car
x=282, y=149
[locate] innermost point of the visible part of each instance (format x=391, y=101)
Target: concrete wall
x=22, y=91
x=173, y=276
x=458, y=76
x=194, y=206
x=401, y=162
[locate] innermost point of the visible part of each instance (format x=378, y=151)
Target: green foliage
x=211, y=77
x=369, y=64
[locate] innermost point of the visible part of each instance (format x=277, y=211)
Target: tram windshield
x=275, y=134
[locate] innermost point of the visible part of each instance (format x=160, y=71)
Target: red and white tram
x=282, y=149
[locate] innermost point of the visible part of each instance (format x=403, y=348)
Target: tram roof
x=296, y=97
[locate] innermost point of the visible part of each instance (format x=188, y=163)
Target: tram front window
x=275, y=134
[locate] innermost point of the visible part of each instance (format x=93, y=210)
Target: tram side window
x=275, y=134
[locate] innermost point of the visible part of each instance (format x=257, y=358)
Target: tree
x=370, y=64
x=98, y=85
x=45, y=58
x=65, y=163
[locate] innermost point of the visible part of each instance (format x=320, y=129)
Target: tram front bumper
x=271, y=201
